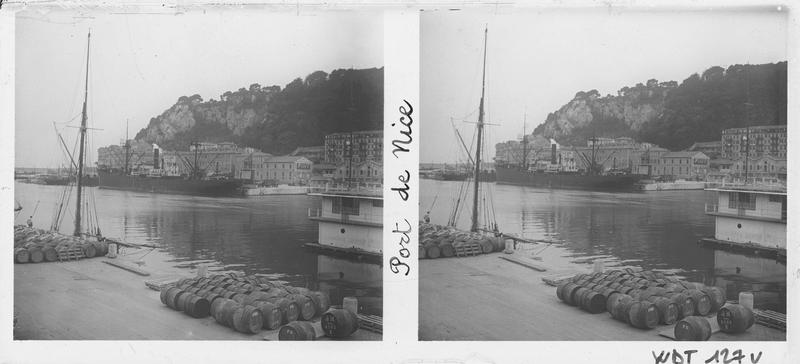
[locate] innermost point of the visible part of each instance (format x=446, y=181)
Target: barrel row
x=632, y=301
x=37, y=246
x=438, y=241
x=642, y=285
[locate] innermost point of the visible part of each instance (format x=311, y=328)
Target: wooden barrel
x=432, y=251
x=447, y=250
x=270, y=315
x=239, y=297
x=569, y=293
x=289, y=310
x=593, y=302
x=692, y=328
x=216, y=309
x=717, y=297
x=247, y=319
x=101, y=248
x=486, y=246
x=620, y=308
x=35, y=255
x=228, y=309
x=684, y=302
x=643, y=315
x=211, y=297
x=667, y=310
x=702, y=303
x=297, y=330
x=21, y=255
x=339, y=323
x=197, y=306
x=307, y=310
x=229, y=294
x=321, y=301
x=560, y=289
x=422, y=252
x=163, y=294
x=173, y=294
x=735, y=319
x=50, y=254
x=180, y=301
x=89, y=250
x=577, y=277
x=577, y=296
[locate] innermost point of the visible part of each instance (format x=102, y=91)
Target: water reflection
x=261, y=235
x=659, y=230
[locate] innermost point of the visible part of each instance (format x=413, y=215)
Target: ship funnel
x=156, y=158
x=553, y=159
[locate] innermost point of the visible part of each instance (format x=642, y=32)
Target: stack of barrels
x=247, y=304
x=641, y=299
x=438, y=241
x=36, y=245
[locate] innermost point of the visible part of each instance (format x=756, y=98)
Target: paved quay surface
x=488, y=298
x=91, y=300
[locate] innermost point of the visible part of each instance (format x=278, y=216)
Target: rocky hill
x=272, y=119
x=676, y=115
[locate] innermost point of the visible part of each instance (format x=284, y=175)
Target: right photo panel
x=603, y=174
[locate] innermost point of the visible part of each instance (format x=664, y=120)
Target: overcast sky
x=140, y=64
x=537, y=61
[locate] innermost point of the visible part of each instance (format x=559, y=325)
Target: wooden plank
x=555, y=280
x=523, y=263
x=127, y=267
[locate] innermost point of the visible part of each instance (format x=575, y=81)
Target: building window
x=741, y=200
x=377, y=203
x=345, y=206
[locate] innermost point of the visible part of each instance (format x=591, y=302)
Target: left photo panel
x=198, y=175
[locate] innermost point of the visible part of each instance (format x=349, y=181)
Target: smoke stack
x=553, y=158
x=156, y=158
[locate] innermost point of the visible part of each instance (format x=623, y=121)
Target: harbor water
x=655, y=230
x=257, y=235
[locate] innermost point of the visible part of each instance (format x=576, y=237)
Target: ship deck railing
x=760, y=214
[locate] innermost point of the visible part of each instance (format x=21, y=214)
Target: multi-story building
x=113, y=157
x=765, y=166
x=365, y=172
x=355, y=147
x=288, y=169
x=754, y=141
x=683, y=165
x=252, y=166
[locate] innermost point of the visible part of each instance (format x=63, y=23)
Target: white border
x=400, y=295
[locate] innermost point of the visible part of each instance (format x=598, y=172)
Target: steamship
x=566, y=175
x=156, y=180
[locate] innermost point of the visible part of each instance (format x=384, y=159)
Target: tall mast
x=79, y=200
x=524, y=143
x=480, y=140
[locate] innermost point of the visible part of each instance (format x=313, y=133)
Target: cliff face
x=672, y=115
x=272, y=119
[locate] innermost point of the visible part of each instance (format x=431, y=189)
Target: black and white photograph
x=197, y=173
x=612, y=174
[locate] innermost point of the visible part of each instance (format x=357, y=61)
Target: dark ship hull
x=513, y=176
x=173, y=185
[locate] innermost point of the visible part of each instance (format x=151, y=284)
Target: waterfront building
x=754, y=141
x=315, y=154
x=356, y=147
x=288, y=169
x=252, y=166
x=649, y=161
x=112, y=157
x=683, y=165
x=350, y=221
x=712, y=149
x=365, y=172
x=748, y=215
x=765, y=166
